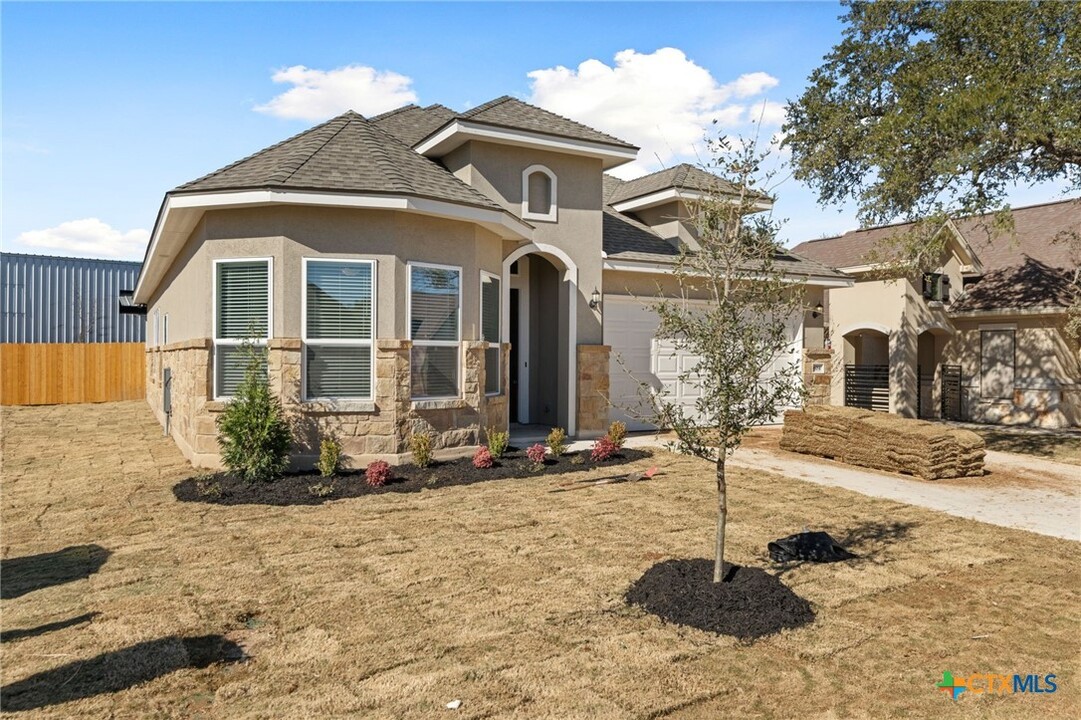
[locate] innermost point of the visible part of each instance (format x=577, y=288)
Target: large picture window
x=435, y=300
x=489, y=328
x=338, y=329
x=242, y=299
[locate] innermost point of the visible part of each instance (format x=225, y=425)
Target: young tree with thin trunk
x=746, y=367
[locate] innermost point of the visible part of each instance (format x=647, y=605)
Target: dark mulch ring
x=308, y=488
x=750, y=604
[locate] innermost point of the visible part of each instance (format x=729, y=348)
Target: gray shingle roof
x=513, y=113
x=345, y=154
x=680, y=177
x=412, y=123
x=1035, y=227
x=625, y=238
x=1032, y=284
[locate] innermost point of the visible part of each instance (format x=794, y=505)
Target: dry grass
x=1060, y=446
x=504, y=595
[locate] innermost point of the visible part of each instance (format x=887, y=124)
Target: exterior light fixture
x=817, y=312
x=595, y=299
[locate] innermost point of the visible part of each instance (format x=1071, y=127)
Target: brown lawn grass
x=502, y=594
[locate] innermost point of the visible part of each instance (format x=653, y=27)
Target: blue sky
x=108, y=106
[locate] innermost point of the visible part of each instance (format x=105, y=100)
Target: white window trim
x=157, y=324
x=214, y=313
x=435, y=343
x=347, y=342
x=552, y=213
x=499, y=319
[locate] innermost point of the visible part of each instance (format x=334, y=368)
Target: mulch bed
x=224, y=488
x=750, y=604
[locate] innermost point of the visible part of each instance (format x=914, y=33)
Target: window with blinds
x=489, y=328
x=339, y=325
x=241, y=315
x=435, y=299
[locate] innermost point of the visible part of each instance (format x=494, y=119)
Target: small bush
x=330, y=456
x=557, y=441
x=322, y=489
x=497, y=442
x=253, y=434
x=617, y=433
x=377, y=473
x=578, y=459
x=482, y=459
x=209, y=487
x=603, y=449
x=421, y=445
x=536, y=453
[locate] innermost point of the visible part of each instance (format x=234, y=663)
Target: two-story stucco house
x=980, y=338
x=420, y=271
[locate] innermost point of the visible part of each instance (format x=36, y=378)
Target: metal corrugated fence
x=47, y=299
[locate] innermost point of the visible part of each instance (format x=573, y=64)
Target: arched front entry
x=867, y=367
x=540, y=295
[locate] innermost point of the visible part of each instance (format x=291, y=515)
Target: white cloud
x=322, y=94
x=662, y=101
x=89, y=237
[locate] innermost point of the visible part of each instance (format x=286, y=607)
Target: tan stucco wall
x=1047, y=372
x=496, y=171
x=289, y=233
x=671, y=221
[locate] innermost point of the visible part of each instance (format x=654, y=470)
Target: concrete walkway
x=1038, y=510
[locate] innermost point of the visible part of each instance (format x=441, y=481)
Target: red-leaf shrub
x=482, y=458
x=603, y=449
x=377, y=473
x=535, y=453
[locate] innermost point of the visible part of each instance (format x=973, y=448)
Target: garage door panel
x=630, y=329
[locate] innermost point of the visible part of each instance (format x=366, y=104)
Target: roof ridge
x=485, y=106
x=306, y=158
x=386, y=165
x=395, y=111
x=259, y=152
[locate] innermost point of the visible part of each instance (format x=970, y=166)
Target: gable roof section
x=345, y=154
x=1027, y=286
x=625, y=238
x=510, y=112
x=1035, y=227
x=412, y=123
x=681, y=177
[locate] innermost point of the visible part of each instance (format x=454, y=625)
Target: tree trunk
x=722, y=518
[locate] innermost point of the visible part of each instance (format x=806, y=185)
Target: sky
x=106, y=107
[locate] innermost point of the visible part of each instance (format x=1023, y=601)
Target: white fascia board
x=459, y=132
x=668, y=195
x=180, y=214
x=664, y=269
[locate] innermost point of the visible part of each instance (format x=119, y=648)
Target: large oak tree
x=929, y=108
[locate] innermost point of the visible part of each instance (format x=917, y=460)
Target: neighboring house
x=421, y=271
x=981, y=338
x=48, y=299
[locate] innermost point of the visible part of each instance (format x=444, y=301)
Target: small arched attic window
x=538, y=194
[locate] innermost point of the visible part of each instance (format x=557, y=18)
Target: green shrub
x=421, y=445
x=322, y=489
x=578, y=459
x=253, y=434
x=497, y=442
x=557, y=441
x=209, y=487
x=617, y=433
x=330, y=456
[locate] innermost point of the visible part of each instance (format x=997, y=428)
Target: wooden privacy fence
x=60, y=373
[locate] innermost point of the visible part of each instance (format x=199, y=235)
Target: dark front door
x=951, y=392
x=513, y=355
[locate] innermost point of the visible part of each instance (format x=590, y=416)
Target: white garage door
x=639, y=357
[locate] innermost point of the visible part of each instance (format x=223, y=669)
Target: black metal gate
x=951, y=392
x=868, y=387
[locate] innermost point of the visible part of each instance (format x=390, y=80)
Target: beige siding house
x=419, y=271
x=981, y=338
